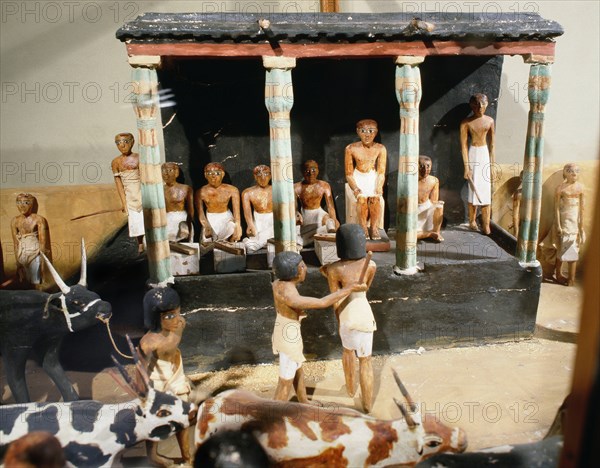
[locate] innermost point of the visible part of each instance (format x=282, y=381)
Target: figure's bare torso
x=364, y=158
x=217, y=199
x=478, y=128
x=260, y=198
x=126, y=163
x=427, y=188
x=311, y=195
x=176, y=196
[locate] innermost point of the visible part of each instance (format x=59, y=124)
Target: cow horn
x=140, y=365
x=83, y=276
x=407, y=416
x=57, y=279
x=409, y=400
x=123, y=372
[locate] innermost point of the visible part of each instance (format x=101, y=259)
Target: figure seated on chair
x=365, y=162
x=431, y=209
x=311, y=191
x=257, y=203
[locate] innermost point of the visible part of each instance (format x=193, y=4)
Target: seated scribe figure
x=311, y=192
x=217, y=220
x=257, y=203
x=179, y=203
x=431, y=209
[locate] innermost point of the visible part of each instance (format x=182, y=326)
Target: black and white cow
x=93, y=433
x=39, y=320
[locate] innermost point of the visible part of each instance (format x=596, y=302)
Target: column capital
x=409, y=59
x=145, y=61
x=538, y=59
x=270, y=61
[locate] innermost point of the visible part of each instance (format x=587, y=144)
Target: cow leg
x=52, y=366
x=183, y=438
x=14, y=364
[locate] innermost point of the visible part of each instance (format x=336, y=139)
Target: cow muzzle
x=103, y=311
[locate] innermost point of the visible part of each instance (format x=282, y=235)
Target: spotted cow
x=295, y=434
x=93, y=433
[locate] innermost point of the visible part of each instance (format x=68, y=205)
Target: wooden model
x=160, y=346
x=365, y=163
x=310, y=192
x=179, y=202
x=126, y=170
x=31, y=238
x=354, y=314
x=477, y=142
x=257, y=203
x=568, y=233
x=431, y=209
x=218, y=222
x=290, y=271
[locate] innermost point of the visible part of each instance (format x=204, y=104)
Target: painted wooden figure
x=477, y=142
x=257, y=203
x=31, y=238
x=365, y=163
x=218, y=222
x=431, y=209
x=126, y=171
x=355, y=317
x=179, y=203
x=568, y=232
x=160, y=346
x=311, y=191
x=290, y=307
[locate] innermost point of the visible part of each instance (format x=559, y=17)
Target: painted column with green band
x=531, y=199
x=147, y=111
x=279, y=99
x=408, y=93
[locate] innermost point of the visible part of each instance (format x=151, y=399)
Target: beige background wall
x=65, y=87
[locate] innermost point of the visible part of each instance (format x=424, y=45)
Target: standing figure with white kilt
x=477, y=143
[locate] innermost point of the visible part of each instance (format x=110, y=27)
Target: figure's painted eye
x=163, y=413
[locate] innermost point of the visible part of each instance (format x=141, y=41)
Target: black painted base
x=469, y=291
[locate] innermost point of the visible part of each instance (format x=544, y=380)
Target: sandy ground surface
x=501, y=393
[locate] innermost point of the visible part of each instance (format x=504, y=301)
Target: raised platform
x=469, y=291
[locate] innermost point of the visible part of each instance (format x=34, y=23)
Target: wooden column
x=531, y=200
x=408, y=92
x=279, y=99
x=147, y=111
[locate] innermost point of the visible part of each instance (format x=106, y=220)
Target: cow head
x=154, y=415
x=80, y=306
x=431, y=436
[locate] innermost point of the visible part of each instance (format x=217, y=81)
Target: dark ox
x=295, y=434
x=38, y=320
x=93, y=433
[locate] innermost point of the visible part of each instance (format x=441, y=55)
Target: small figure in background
x=257, y=202
x=568, y=223
x=31, y=237
x=365, y=162
x=354, y=314
x=219, y=223
x=310, y=192
x=179, y=201
x=160, y=347
x=37, y=449
x=479, y=160
x=431, y=209
x=126, y=171
x=290, y=271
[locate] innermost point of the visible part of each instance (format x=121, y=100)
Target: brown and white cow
x=296, y=434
